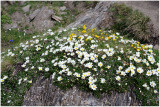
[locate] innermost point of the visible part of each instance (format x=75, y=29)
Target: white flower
x=153, y=84
x=69, y=73
x=100, y=64
x=118, y=78
x=1, y=80
x=38, y=48
x=155, y=91
x=82, y=49
x=92, y=58
x=46, y=69
x=53, y=75
x=147, y=88
x=144, y=85
x=90, y=82
x=40, y=68
x=127, y=70
x=32, y=67
x=59, y=78
x=8, y=101
x=93, y=86
x=104, y=56
x=25, y=79
x=89, y=65
x=12, y=54
x=23, y=65
x=119, y=58
x=19, y=81
x=138, y=54
x=93, y=46
x=30, y=81
x=5, y=77
x=140, y=70
x=123, y=73
x=103, y=80
x=108, y=67
x=95, y=69
x=132, y=72
x=42, y=59
x=27, y=58
x=120, y=67
x=26, y=69
x=118, y=71
x=149, y=73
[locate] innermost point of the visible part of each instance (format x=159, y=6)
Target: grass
x=131, y=23
x=13, y=92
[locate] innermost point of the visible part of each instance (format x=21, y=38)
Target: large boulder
x=98, y=17
x=44, y=93
x=38, y=20
x=26, y=8
x=18, y=20
x=42, y=19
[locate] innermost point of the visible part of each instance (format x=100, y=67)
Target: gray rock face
x=156, y=47
x=43, y=93
x=26, y=8
x=38, y=20
x=63, y=8
x=43, y=19
x=97, y=17
x=34, y=14
x=22, y=2
x=17, y=19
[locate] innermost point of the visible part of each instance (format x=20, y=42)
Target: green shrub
x=5, y=19
x=131, y=23
x=96, y=61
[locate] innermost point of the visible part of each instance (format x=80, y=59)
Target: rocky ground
x=43, y=93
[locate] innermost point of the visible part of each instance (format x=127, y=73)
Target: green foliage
x=5, y=19
x=131, y=23
x=16, y=35
x=89, y=4
x=13, y=91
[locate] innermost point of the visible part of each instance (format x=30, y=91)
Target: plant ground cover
x=94, y=60
x=130, y=22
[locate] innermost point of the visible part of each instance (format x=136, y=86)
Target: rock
x=34, y=14
x=56, y=18
x=156, y=47
x=18, y=20
x=11, y=2
x=63, y=13
x=22, y=2
x=42, y=19
x=18, y=17
x=26, y=8
x=4, y=4
x=98, y=17
x=43, y=93
x=38, y=20
x=63, y=8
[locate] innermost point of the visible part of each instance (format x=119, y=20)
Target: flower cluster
x=93, y=58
